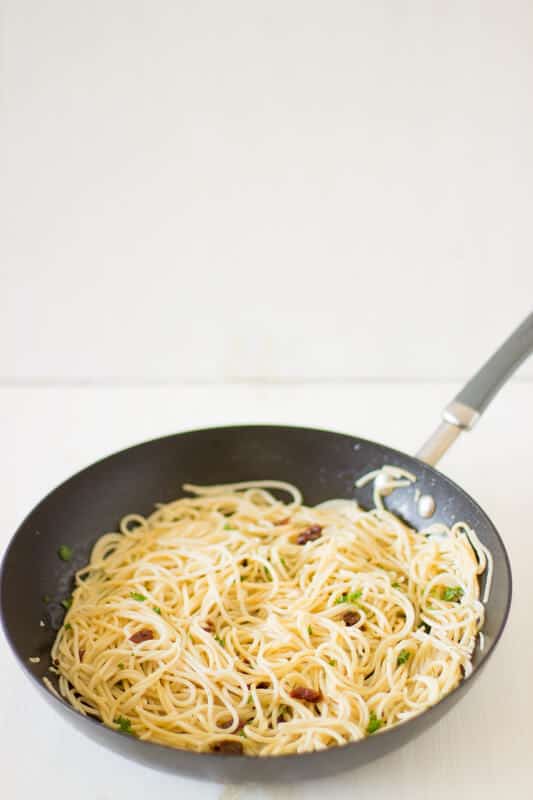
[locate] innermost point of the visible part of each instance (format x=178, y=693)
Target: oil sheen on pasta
x=233, y=622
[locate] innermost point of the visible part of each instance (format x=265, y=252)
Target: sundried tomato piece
x=228, y=747
x=309, y=534
x=303, y=693
x=142, y=636
x=351, y=618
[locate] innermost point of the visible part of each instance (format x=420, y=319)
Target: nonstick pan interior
x=322, y=464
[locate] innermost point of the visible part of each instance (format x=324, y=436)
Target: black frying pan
x=324, y=465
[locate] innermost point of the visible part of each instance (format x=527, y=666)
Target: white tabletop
x=481, y=749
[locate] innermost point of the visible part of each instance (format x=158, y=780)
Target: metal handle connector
x=461, y=416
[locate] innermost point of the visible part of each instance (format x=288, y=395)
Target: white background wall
x=286, y=189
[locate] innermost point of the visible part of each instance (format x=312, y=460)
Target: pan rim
x=290, y=757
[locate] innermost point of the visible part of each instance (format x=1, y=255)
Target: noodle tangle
x=232, y=621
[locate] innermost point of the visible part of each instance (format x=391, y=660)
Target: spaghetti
x=235, y=622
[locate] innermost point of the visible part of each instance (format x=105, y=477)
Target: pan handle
x=467, y=406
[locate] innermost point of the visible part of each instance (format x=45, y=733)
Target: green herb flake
x=395, y=585
x=283, y=562
x=121, y=665
x=403, y=657
x=309, y=630
x=65, y=552
x=228, y=527
x=67, y=626
x=452, y=594
x=220, y=641
x=349, y=597
x=374, y=724
x=250, y=700
x=332, y=662
x=157, y=610
x=268, y=574
x=124, y=725
x=66, y=603
x=242, y=733
x=137, y=596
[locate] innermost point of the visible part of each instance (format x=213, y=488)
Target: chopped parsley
x=250, y=700
x=137, y=596
x=157, y=610
x=374, y=724
x=268, y=574
x=65, y=552
x=395, y=585
x=220, y=641
x=66, y=603
x=283, y=562
x=242, y=733
x=228, y=527
x=67, y=626
x=452, y=594
x=124, y=725
x=349, y=597
x=309, y=630
x=332, y=662
x=403, y=657
x=120, y=665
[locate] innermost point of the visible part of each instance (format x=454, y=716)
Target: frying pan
x=324, y=465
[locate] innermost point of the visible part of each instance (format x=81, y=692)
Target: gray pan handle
x=467, y=406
